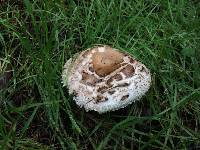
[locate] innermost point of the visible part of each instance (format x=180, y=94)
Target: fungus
x=105, y=79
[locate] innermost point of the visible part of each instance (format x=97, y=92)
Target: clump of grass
x=39, y=36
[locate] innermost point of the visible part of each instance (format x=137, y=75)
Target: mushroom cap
x=104, y=79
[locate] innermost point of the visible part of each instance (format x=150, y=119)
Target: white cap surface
x=104, y=79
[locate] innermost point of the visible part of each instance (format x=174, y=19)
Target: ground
x=36, y=39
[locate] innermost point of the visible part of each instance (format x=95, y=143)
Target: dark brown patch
x=91, y=69
x=111, y=92
x=117, y=77
x=84, y=75
x=132, y=60
x=102, y=89
x=122, y=85
x=143, y=69
x=100, y=80
x=101, y=99
x=88, y=79
x=128, y=71
x=124, y=97
x=108, y=82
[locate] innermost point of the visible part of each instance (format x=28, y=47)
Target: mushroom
x=104, y=79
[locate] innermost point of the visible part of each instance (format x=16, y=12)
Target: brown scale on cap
x=89, y=79
x=100, y=98
x=116, y=77
x=124, y=97
x=102, y=89
x=91, y=69
x=122, y=85
x=109, y=81
x=111, y=92
x=106, y=62
x=132, y=60
x=143, y=69
x=128, y=71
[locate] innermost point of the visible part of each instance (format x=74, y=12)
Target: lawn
x=38, y=36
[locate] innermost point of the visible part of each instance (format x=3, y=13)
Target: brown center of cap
x=107, y=61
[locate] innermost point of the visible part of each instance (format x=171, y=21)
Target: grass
x=37, y=37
